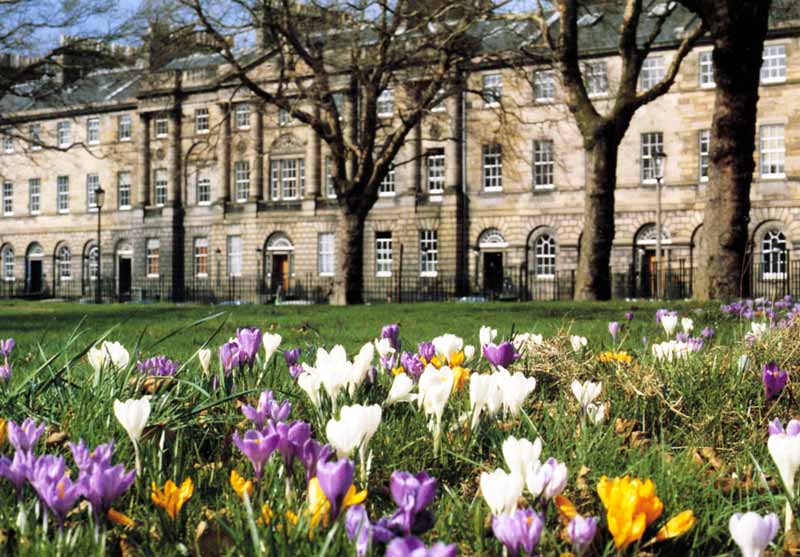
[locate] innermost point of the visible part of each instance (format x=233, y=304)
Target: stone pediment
x=287, y=143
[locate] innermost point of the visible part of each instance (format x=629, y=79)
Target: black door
x=124, y=279
x=647, y=273
x=35, y=276
x=493, y=273
x=280, y=273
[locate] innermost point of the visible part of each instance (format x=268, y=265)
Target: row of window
x=62, y=194
x=595, y=73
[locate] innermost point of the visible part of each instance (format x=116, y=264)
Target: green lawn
x=696, y=427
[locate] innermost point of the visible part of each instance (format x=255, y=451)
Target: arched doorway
x=124, y=261
x=34, y=270
x=644, y=258
x=491, y=246
x=278, y=260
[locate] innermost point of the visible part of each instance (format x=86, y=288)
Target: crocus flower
x=271, y=343
x=24, y=437
x=501, y=356
x=103, y=484
x=85, y=458
x=335, y=479
x=519, y=531
x=359, y=528
x=708, y=333
x=631, y=505
x=414, y=547
x=172, y=497
x=515, y=389
x=18, y=469
x=108, y=355
x=353, y=430
x=159, y=366
x=784, y=448
x=447, y=344
x=426, y=351
x=687, y=324
x=392, y=334
x=578, y=343
x=292, y=358
x=241, y=485
x=412, y=494
x=257, y=447
x=676, y=526
x=752, y=533
x=267, y=408
x=669, y=322
x=249, y=341
x=629, y=316
x=501, y=490
x=401, y=389
x=231, y=356
x=774, y=380
x=6, y=346
x=586, y=392
x=435, y=386
x=291, y=439
x=312, y=453
x=581, y=531
x=614, y=328
x=204, y=356
x=60, y=496
x=412, y=364
x=548, y=479
x=487, y=335
x=133, y=415
x=5, y=372
x=519, y=454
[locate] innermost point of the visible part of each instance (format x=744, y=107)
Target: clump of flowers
x=6, y=346
x=774, y=380
x=158, y=366
x=617, y=357
x=172, y=497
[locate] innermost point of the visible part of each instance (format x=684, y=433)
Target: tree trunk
x=737, y=62
x=349, y=282
x=594, y=279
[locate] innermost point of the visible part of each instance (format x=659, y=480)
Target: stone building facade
x=204, y=183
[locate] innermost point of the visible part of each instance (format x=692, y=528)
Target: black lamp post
x=99, y=199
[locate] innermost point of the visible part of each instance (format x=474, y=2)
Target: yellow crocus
x=456, y=359
x=2, y=431
x=172, y=497
x=266, y=515
x=676, y=526
x=460, y=377
x=319, y=507
x=116, y=517
x=631, y=506
x=566, y=508
x=239, y=484
x=437, y=362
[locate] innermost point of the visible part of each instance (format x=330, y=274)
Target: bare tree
x=330, y=64
x=641, y=28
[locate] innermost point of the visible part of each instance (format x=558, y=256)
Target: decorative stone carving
x=287, y=143
x=160, y=154
x=241, y=147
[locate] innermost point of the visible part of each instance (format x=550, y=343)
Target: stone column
x=143, y=158
x=224, y=153
x=258, y=144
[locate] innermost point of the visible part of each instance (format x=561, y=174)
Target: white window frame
x=435, y=171
x=287, y=179
x=543, y=164
x=234, y=255
x=492, y=89
x=330, y=190
x=284, y=118
x=544, y=256
x=596, y=77
x=772, y=151
x=63, y=132
x=703, y=153
x=62, y=194
x=326, y=254
x=8, y=199
x=201, y=254
x=124, y=189
x=388, y=186
x=201, y=120
x=125, y=128
x=91, y=263
x=241, y=173
x=160, y=187
x=428, y=253
x=35, y=196
x=651, y=143
x=8, y=263
x=153, y=257
x=773, y=65
x=161, y=125
x=544, y=86
x=8, y=144
x=241, y=116
x=64, y=261
x=383, y=253
x=705, y=70
x=652, y=72
x=385, y=103
x=36, y=137
x=492, y=168
x=203, y=184
x=93, y=130
x=92, y=183
x=773, y=257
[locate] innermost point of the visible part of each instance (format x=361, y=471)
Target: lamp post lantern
x=99, y=199
x=660, y=158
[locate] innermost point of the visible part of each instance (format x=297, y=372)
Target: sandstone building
x=207, y=189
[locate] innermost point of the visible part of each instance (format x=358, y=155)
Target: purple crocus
x=412, y=494
x=774, y=380
x=661, y=313
x=427, y=351
x=24, y=437
x=392, y=332
x=85, y=458
x=695, y=344
x=682, y=337
x=335, y=478
x=708, y=333
x=792, y=428
x=18, y=469
x=614, y=328
x=5, y=372
x=412, y=364
x=549, y=480
x=312, y=453
x=6, y=346
x=502, y=355
x=291, y=439
x=629, y=316
x=358, y=528
x=292, y=358
x=60, y=496
x=581, y=531
x=257, y=447
x=249, y=339
x=103, y=484
x=159, y=366
x=519, y=532
x=231, y=356
x=414, y=547
x=267, y=408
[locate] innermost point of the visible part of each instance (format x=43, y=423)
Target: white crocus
x=687, y=324
x=578, y=343
x=586, y=392
x=310, y=382
x=334, y=370
x=401, y=389
x=384, y=347
x=479, y=386
x=204, y=357
x=752, y=533
x=516, y=389
x=669, y=322
x=435, y=386
x=671, y=351
x=785, y=452
x=758, y=330
x=133, y=415
x=487, y=335
x=353, y=430
x=271, y=343
x=501, y=490
x=447, y=345
x=469, y=351
x=743, y=363
x=360, y=367
x=520, y=453
x=596, y=413
x=110, y=355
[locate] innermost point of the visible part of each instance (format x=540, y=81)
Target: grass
x=696, y=428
